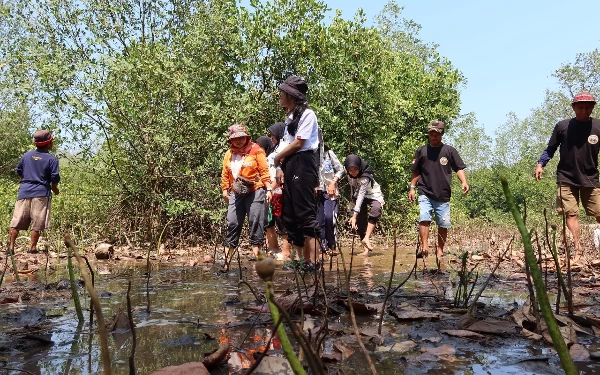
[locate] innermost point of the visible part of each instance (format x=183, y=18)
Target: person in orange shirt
x=246, y=186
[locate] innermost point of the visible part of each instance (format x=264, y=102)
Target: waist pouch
x=242, y=186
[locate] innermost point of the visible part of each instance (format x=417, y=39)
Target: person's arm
x=225, y=184
x=338, y=169
x=362, y=191
x=54, y=176
x=458, y=166
x=548, y=153
x=463, y=180
x=414, y=179
x=265, y=176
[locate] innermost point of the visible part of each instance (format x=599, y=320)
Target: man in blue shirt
x=39, y=175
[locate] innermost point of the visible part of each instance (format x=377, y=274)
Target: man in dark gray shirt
x=432, y=175
x=577, y=171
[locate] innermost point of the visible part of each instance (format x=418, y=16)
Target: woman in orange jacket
x=246, y=185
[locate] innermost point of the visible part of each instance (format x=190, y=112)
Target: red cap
x=584, y=96
x=42, y=138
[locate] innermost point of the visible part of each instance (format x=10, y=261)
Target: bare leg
x=286, y=248
x=255, y=250
x=14, y=233
x=441, y=240
x=424, y=234
x=35, y=236
x=366, y=241
x=311, y=245
x=573, y=225
x=272, y=239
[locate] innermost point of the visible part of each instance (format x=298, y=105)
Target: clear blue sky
x=507, y=50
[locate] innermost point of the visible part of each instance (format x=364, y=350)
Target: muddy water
x=190, y=307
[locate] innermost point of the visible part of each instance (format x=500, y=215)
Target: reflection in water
x=191, y=306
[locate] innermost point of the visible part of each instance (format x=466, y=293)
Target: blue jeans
x=428, y=206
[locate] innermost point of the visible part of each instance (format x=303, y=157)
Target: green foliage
x=143, y=93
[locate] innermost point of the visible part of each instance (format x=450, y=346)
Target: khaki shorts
x=567, y=200
x=31, y=211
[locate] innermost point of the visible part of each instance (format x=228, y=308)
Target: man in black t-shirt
x=577, y=171
x=432, y=175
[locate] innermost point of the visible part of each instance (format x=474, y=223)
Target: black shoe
x=419, y=255
x=32, y=251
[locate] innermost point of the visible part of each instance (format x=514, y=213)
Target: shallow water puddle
x=191, y=308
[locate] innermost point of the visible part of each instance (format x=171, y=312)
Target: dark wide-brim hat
x=42, y=138
x=295, y=86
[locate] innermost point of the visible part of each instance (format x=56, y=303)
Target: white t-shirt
x=308, y=129
x=237, y=160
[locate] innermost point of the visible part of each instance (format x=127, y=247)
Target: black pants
x=370, y=212
x=299, y=202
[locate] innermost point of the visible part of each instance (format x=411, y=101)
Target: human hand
x=465, y=188
x=226, y=196
x=269, y=197
x=331, y=188
x=411, y=195
x=352, y=222
x=55, y=190
x=279, y=176
x=539, y=170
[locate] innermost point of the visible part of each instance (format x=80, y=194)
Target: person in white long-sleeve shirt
x=367, y=197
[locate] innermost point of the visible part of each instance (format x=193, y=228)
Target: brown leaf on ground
x=579, y=353
x=531, y=335
x=566, y=321
x=524, y=315
x=496, y=327
x=433, y=339
x=191, y=368
x=344, y=349
x=441, y=350
x=410, y=313
x=462, y=333
x=399, y=347
x=568, y=333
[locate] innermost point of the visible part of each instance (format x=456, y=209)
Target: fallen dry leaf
x=399, y=347
x=579, y=352
x=462, y=333
x=497, y=327
x=441, y=350
x=413, y=314
x=531, y=335
x=433, y=339
x=344, y=349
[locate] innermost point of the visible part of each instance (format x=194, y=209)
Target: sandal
x=367, y=245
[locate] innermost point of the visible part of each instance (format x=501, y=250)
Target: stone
x=104, y=251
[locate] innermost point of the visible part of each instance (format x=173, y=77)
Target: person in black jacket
x=577, y=171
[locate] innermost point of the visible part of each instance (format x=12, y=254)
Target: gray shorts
x=31, y=211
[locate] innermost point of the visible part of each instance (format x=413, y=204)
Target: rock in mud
x=29, y=316
x=191, y=368
x=104, y=251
